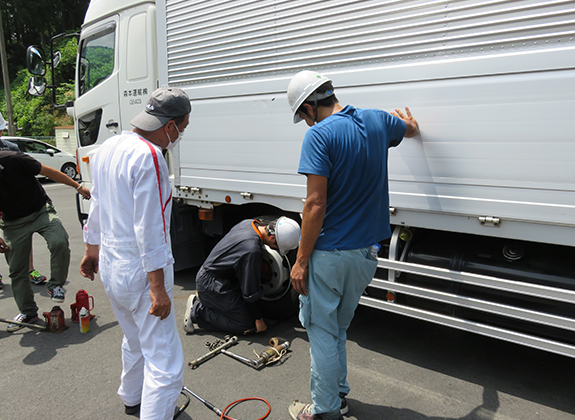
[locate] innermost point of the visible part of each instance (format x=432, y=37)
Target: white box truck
x=482, y=202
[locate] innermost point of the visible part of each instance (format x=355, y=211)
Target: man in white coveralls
x=127, y=237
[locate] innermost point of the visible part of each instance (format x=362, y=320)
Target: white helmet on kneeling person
x=287, y=233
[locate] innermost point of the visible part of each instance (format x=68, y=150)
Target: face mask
x=170, y=144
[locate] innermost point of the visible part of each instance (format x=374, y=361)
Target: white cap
x=3, y=123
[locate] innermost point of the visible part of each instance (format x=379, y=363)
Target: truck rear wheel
x=280, y=300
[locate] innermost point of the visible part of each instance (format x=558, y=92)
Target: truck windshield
x=96, y=58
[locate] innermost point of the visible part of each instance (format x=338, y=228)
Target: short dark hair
x=179, y=120
x=327, y=102
x=271, y=227
x=269, y=222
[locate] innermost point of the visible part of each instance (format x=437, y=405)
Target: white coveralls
x=130, y=220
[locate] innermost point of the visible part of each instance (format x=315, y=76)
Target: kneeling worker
x=228, y=283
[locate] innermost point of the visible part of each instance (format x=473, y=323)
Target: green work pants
x=18, y=236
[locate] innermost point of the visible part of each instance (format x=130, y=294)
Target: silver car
x=47, y=154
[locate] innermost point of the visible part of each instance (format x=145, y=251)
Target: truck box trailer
x=482, y=202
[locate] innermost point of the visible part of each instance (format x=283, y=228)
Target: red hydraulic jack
x=55, y=321
x=82, y=301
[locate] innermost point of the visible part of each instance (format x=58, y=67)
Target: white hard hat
x=301, y=86
x=287, y=233
x=2, y=122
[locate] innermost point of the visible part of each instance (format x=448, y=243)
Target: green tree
x=34, y=22
x=28, y=22
x=36, y=116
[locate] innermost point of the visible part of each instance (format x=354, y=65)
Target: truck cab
x=116, y=72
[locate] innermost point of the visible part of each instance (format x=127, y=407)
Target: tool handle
x=196, y=362
x=24, y=324
x=206, y=403
x=249, y=362
x=213, y=408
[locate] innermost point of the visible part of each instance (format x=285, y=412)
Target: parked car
x=47, y=154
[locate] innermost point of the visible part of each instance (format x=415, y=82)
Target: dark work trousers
x=220, y=310
x=18, y=236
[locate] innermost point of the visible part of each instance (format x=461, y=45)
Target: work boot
x=301, y=411
x=188, y=324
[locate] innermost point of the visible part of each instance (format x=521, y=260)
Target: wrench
x=197, y=362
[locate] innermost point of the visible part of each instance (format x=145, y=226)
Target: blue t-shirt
x=350, y=148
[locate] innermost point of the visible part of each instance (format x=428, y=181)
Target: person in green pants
x=26, y=209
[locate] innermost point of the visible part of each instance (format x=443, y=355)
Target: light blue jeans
x=336, y=281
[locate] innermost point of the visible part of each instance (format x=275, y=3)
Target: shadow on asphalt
x=485, y=411
x=496, y=365
x=186, y=279
x=47, y=348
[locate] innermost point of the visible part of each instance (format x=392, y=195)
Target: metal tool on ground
x=273, y=353
x=221, y=413
x=24, y=324
x=215, y=348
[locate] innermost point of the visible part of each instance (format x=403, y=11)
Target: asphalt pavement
x=399, y=368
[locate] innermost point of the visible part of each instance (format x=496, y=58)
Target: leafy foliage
x=33, y=22
x=98, y=64
x=36, y=116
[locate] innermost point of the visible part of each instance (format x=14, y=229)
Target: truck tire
x=280, y=299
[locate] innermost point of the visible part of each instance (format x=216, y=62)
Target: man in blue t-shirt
x=344, y=156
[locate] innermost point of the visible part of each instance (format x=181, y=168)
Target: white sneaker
x=28, y=319
x=188, y=325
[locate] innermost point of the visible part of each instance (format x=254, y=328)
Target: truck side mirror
x=36, y=86
x=56, y=58
x=35, y=60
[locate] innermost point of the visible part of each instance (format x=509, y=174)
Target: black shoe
x=344, y=407
x=132, y=410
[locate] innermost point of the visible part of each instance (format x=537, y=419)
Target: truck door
x=96, y=109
